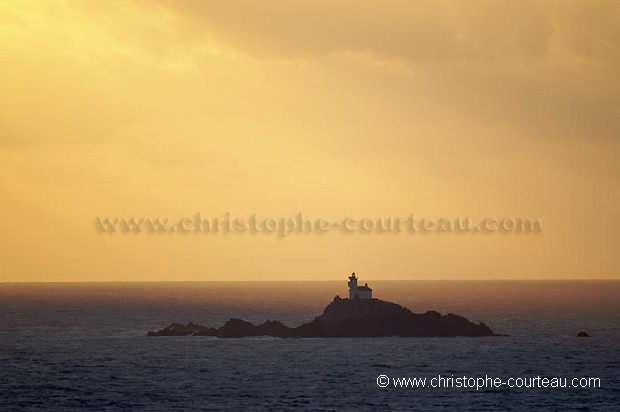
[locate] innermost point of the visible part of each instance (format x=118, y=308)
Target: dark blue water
x=83, y=346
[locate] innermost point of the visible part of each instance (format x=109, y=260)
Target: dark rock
x=177, y=329
x=346, y=318
x=583, y=334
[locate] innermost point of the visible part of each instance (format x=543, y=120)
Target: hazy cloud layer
x=328, y=107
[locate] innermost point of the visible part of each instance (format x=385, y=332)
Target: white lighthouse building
x=358, y=292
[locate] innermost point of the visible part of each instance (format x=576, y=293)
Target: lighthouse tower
x=358, y=292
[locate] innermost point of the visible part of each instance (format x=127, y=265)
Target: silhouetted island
x=358, y=316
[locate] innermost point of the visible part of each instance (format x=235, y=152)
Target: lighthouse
x=358, y=292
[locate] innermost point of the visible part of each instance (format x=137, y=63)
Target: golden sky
x=344, y=108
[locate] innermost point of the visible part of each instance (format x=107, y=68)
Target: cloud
x=330, y=107
x=545, y=67
x=415, y=31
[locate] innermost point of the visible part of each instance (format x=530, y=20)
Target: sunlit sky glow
x=332, y=108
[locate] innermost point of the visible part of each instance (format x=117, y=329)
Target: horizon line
x=315, y=280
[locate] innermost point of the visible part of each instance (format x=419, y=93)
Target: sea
x=83, y=346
